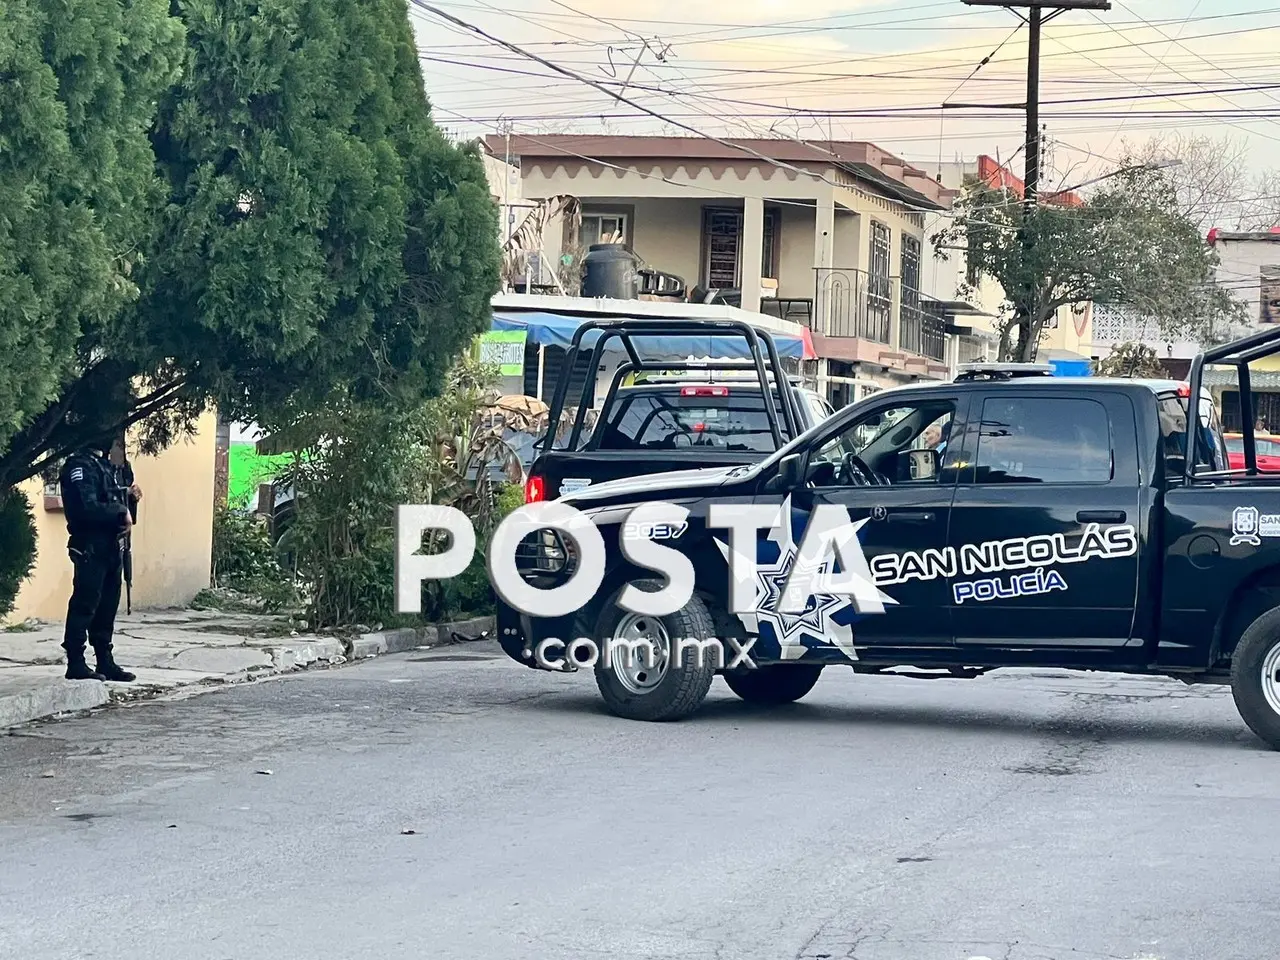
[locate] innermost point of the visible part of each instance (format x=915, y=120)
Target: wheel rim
x=1271, y=678
x=641, y=673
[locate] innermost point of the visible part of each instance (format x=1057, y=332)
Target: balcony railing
x=854, y=303
x=921, y=325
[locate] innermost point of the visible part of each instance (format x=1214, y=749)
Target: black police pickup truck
x=1010, y=520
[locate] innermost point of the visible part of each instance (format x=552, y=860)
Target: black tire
x=773, y=685
x=1259, y=649
x=681, y=689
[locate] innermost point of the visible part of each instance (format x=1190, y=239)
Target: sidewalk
x=169, y=649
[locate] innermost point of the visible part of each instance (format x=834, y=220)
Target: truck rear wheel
x=665, y=686
x=1255, y=677
x=778, y=684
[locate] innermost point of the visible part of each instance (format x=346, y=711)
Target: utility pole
x=1031, y=177
x=1035, y=18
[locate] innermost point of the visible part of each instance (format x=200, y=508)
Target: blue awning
x=555, y=330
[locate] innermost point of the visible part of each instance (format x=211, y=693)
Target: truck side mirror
x=790, y=472
x=918, y=465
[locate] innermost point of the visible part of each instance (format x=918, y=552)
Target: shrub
x=244, y=561
x=17, y=546
x=471, y=594
x=362, y=461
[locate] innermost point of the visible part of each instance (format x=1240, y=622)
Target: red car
x=1267, y=448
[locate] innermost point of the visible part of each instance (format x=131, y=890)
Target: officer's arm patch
x=76, y=475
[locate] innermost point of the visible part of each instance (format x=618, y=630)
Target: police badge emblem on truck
x=1244, y=526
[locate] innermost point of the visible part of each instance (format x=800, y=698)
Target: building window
x=722, y=246
x=879, y=266
x=603, y=228
x=910, y=264
x=879, y=291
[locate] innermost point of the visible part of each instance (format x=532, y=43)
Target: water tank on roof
x=610, y=270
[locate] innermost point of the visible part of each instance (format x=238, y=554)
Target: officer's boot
x=111, y=670
x=77, y=668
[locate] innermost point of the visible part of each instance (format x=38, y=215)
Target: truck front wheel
x=782, y=683
x=646, y=672
x=1255, y=677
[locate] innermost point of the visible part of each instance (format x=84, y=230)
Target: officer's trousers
x=95, y=596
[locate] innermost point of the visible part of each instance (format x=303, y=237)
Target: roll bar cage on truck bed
x=572, y=457
x=1239, y=354
x=626, y=331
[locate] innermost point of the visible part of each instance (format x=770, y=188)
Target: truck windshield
x=733, y=420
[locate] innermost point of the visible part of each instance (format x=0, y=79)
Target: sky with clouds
x=875, y=70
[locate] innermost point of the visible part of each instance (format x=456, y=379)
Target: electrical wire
x=789, y=111
x=1172, y=99
x=564, y=71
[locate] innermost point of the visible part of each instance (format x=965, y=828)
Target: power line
x=1170, y=98
x=1194, y=53
x=564, y=71
x=913, y=111
x=1152, y=72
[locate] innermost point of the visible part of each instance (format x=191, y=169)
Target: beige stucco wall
x=850, y=252
x=1240, y=270
x=172, y=543
x=1061, y=333
x=796, y=252
x=668, y=235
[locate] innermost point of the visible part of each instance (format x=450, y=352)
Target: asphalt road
x=1013, y=817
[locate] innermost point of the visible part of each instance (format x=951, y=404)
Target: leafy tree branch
x=1130, y=244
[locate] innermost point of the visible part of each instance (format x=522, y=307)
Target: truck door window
x=1043, y=440
x=903, y=444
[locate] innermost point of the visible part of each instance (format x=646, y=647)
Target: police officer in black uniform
x=99, y=500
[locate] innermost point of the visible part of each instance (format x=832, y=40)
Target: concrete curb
x=390, y=641
x=51, y=697
x=42, y=692
x=308, y=650
x=414, y=638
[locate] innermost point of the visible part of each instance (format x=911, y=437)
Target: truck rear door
x=1045, y=522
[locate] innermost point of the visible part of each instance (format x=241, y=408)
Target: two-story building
x=830, y=234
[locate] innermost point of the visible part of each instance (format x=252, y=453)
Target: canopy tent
x=556, y=330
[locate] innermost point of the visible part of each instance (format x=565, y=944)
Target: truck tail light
x=535, y=489
x=1184, y=391
x=704, y=391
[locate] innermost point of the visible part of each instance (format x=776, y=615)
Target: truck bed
x=562, y=471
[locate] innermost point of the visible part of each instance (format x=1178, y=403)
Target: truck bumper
x=520, y=634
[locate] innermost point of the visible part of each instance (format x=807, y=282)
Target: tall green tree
x=1130, y=244
x=79, y=83
x=314, y=234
